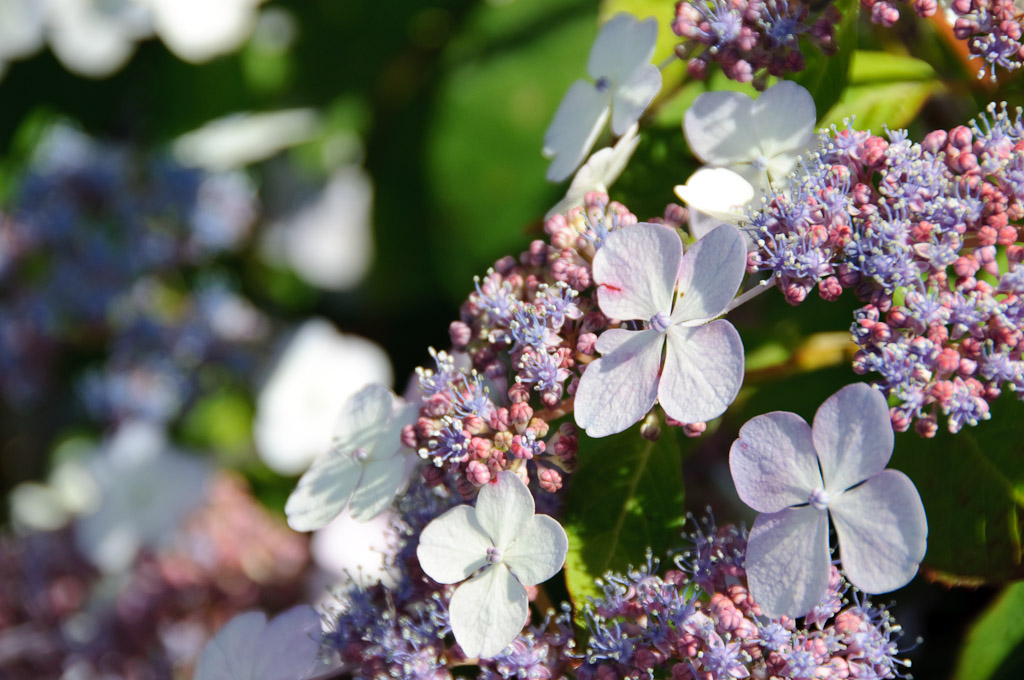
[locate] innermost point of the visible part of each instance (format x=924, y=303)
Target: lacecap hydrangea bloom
x=798, y=476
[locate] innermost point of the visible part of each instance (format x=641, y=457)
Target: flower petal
x=504, y=509
x=633, y=96
x=788, y=561
x=703, y=371
x=363, y=417
x=377, y=488
x=882, y=532
x=635, y=271
x=288, y=646
x=719, y=128
x=488, y=612
x=701, y=223
x=783, y=119
x=539, y=552
x=389, y=440
x=622, y=45
x=323, y=491
x=853, y=436
x=599, y=172
x=773, y=462
x=453, y=546
x=619, y=389
x=574, y=129
x=231, y=652
x=710, y=274
x=719, y=192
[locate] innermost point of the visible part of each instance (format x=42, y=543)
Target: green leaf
x=884, y=89
x=626, y=496
x=993, y=647
x=221, y=422
x=642, y=9
x=826, y=77
x=972, y=485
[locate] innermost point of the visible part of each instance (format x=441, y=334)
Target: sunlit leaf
x=993, y=650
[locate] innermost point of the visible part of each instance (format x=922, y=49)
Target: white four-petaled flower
x=798, y=476
x=642, y=274
x=363, y=469
x=513, y=547
x=749, y=146
x=624, y=84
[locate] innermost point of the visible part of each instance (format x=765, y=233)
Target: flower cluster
x=926, y=235
x=886, y=13
x=752, y=39
x=128, y=226
x=530, y=330
x=699, y=621
x=993, y=32
x=63, y=619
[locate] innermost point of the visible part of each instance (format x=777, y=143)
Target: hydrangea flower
x=363, y=469
x=249, y=647
x=798, y=476
x=599, y=172
x=759, y=140
x=513, y=547
x=642, y=274
x=624, y=84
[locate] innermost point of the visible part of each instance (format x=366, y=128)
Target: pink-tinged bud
x=540, y=427
x=518, y=393
x=942, y=391
x=579, y=278
x=556, y=224
x=987, y=235
x=965, y=266
x=926, y=427
x=438, y=405
x=550, y=480
x=460, y=334
x=477, y=473
x=586, y=344
x=505, y=265
x=1007, y=236
x=948, y=361
x=474, y=424
x=728, y=616
x=830, y=289
x=594, y=322
x=697, y=68
x=968, y=367
x=795, y=293
x=676, y=215
x=433, y=475
x=694, y=430
x=934, y=141
x=899, y=418
x=565, y=446
x=465, y=488
x=551, y=398
x=424, y=427
x=502, y=441
x=560, y=270
x=498, y=459
x=500, y=420
x=971, y=347
x=520, y=414
x=961, y=137
x=479, y=448
x=606, y=672
x=925, y=8
x=880, y=332
x=1015, y=254
x=409, y=437
x=650, y=430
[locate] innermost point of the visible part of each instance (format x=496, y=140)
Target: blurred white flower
x=21, y=29
x=624, y=84
x=146, y=490
x=355, y=552
x=249, y=647
x=300, y=401
x=242, y=138
x=599, y=172
x=364, y=467
x=198, y=30
x=69, y=490
x=95, y=38
x=329, y=242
